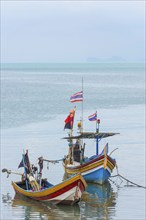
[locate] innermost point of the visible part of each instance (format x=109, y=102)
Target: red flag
x=69, y=120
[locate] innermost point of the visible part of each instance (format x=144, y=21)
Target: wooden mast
x=81, y=143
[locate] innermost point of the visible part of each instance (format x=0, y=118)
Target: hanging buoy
x=79, y=124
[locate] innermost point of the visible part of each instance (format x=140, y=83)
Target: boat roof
x=91, y=135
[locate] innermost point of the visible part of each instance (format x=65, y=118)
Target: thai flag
x=77, y=97
x=93, y=117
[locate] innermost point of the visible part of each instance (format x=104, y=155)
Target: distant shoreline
x=70, y=66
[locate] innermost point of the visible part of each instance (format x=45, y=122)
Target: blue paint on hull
x=99, y=176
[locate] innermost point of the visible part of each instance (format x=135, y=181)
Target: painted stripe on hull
x=73, y=186
x=99, y=159
x=71, y=196
x=94, y=171
x=48, y=195
x=73, y=170
x=60, y=192
x=57, y=188
x=99, y=176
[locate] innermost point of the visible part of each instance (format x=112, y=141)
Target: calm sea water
x=34, y=105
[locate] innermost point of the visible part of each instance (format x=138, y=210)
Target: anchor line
x=128, y=181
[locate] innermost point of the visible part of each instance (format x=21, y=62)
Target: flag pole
x=96, y=123
x=71, y=134
x=97, y=131
x=82, y=104
x=81, y=145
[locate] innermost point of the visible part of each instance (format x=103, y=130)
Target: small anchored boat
x=98, y=167
x=67, y=192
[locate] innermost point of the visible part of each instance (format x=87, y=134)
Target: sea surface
x=35, y=103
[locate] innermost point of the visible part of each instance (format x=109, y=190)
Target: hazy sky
x=72, y=31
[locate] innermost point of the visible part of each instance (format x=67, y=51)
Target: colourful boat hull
x=96, y=170
x=67, y=192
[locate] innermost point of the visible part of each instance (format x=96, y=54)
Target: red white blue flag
x=93, y=117
x=77, y=97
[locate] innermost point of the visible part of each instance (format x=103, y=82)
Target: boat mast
x=71, y=134
x=82, y=104
x=81, y=145
x=97, y=131
x=80, y=127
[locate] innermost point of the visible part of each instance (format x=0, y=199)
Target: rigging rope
x=128, y=181
x=53, y=161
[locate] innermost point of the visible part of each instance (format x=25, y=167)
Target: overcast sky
x=72, y=31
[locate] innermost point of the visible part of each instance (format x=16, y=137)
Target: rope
x=128, y=181
x=53, y=161
x=113, y=151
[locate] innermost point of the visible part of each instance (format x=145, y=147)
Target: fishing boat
x=98, y=167
x=67, y=192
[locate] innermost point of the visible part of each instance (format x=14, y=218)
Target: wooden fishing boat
x=66, y=192
x=33, y=186
x=97, y=168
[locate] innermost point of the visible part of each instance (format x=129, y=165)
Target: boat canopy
x=91, y=135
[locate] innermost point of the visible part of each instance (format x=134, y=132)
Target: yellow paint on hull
x=89, y=167
x=49, y=190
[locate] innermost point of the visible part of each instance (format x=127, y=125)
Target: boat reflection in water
x=25, y=208
x=98, y=201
